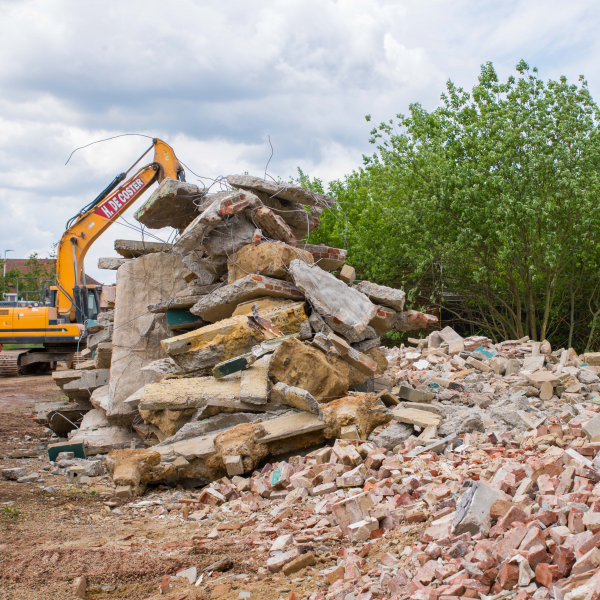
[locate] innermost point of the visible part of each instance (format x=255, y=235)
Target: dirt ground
x=49, y=537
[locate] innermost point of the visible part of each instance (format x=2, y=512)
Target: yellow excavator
x=54, y=315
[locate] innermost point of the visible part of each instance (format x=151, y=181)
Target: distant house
x=44, y=268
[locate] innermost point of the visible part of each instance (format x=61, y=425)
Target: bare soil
x=47, y=539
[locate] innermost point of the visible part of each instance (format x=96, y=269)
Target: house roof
x=21, y=265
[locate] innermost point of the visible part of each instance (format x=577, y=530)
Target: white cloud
x=215, y=79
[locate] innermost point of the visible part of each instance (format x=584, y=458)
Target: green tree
x=487, y=206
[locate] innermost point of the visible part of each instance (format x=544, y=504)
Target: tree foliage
x=487, y=206
x=34, y=267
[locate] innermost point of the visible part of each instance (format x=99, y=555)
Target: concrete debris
x=173, y=204
x=111, y=263
x=281, y=190
x=344, y=309
x=269, y=259
x=134, y=248
x=222, y=303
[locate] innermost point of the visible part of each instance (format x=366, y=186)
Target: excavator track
x=9, y=363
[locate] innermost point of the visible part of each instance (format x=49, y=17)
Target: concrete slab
x=280, y=190
x=344, y=309
x=222, y=302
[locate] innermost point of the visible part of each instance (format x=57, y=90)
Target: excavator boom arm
x=85, y=228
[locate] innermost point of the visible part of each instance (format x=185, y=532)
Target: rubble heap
x=243, y=365
x=235, y=343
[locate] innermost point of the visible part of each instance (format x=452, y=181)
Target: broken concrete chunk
x=203, y=269
x=280, y=190
x=413, y=320
x=222, y=302
x=104, y=439
x=111, y=263
x=137, y=333
x=269, y=259
x=254, y=384
x=135, y=248
x=191, y=392
x=407, y=393
x=344, y=309
x=381, y=294
x=223, y=205
x=173, y=204
x=203, y=348
x=473, y=509
x=228, y=238
x=353, y=357
x=295, y=397
x=295, y=215
x=412, y=416
x=300, y=365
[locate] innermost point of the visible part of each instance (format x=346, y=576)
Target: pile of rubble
x=241, y=364
x=235, y=343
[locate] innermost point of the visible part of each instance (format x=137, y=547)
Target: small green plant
x=11, y=512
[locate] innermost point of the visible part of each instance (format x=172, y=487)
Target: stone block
x=234, y=465
x=348, y=274
x=473, y=509
x=412, y=395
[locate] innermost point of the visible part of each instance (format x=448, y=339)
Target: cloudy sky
x=215, y=78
